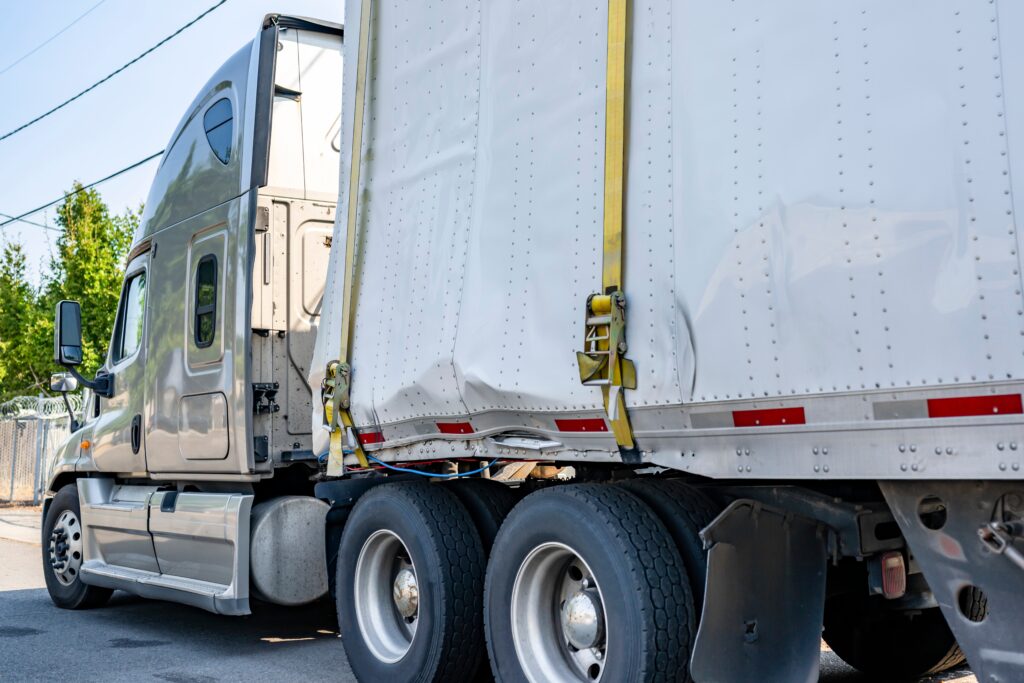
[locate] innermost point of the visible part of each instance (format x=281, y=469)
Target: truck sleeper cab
x=205, y=388
x=482, y=509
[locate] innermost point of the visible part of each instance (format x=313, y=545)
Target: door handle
x=136, y=433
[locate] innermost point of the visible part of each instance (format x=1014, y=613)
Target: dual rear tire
x=584, y=583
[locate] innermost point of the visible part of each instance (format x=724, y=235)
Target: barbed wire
x=38, y=406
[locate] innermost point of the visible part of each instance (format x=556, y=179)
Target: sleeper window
x=218, y=124
x=130, y=318
x=206, y=301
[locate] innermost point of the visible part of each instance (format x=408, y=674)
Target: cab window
x=130, y=318
x=205, y=301
x=218, y=124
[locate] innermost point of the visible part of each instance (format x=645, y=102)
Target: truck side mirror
x=67, y=334
x=63, y=382
x=67, y=348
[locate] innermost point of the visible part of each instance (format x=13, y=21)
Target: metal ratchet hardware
x=602, y=362
x=999, y=537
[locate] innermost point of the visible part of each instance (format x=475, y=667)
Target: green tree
x=87, y=267
x=17, y=315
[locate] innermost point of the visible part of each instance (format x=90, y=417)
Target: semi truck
x=617, y=341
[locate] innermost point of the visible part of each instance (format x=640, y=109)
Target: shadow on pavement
x=132, y=639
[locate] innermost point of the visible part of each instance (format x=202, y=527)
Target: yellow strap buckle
x=335, y=397
x=603, y=363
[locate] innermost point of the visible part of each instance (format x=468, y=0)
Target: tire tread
x=684, y=510
x=487, y=502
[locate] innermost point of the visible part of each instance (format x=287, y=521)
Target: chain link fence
x=31, y=430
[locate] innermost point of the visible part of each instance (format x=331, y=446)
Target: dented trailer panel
x=820, y=231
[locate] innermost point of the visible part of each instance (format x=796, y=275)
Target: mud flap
x=950, y=550
x=765, y=597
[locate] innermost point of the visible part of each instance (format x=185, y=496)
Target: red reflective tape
x=455, y=427
x=770, y=417
x=367, y=438
x=963, y=406
x=586, y=424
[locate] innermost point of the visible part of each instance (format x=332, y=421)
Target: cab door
x=118, y=433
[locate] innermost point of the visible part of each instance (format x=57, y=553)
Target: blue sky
x=124, y=120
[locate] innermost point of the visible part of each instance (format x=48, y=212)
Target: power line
x=22, y=220
x=46, y=42
x=108, y=76
x=82, y=189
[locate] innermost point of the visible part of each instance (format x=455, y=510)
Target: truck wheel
x=887, y=643
x=488, y=503
x=63, y=554
x=584, y=584
x=684, y=510
x=410, y=586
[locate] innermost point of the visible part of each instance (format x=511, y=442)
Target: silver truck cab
x=203, y=399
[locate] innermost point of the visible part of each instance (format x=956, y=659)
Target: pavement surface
x=142, y=640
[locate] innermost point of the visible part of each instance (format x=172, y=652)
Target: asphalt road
x=140, y=640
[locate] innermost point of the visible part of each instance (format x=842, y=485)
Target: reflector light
x=964, y=406
x=367, y=438
x=594, y=424
x=769, y=417
x=894, y=575
x=454, y=427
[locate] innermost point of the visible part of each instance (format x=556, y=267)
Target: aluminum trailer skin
x=702, y=322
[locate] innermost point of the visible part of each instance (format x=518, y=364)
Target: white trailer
x=731, y=292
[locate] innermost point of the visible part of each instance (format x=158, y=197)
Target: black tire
x=75, y=595
x=684, y=510
x=488, y=503
x=449, y=563
x=644, y=590
x=889, y=644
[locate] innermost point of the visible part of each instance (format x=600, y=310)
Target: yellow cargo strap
x=602, y=362
x=336, y=390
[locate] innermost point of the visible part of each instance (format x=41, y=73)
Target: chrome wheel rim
x=559, y=625
x=65, y=548
x=386, y=596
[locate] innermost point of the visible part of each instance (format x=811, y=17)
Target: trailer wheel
x=890, y=644
x=684, y=510
x=410, y=586
x=63, y=554
x=584, y=584
x=488, y=503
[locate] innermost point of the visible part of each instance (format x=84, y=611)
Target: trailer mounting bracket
x=965, y=535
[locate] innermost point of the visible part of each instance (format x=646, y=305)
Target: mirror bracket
x=74, y=425
x=102, y=385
